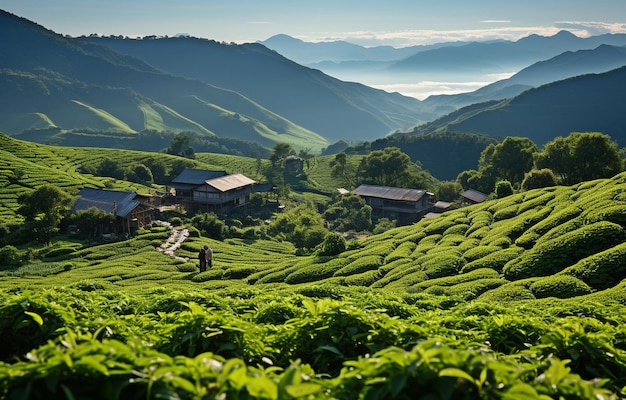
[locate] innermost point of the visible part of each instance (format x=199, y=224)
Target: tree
x=89, y=221
x=181, y=146
x=391, y=167
x=340, y=168
x=538, y=178
x=510, y=159
x=111, y=168
x=280, y=152
x=503, y=189
x=332, y=245
x=448, y=191
x=581, y=157
x=43, y=210
x=349, y=212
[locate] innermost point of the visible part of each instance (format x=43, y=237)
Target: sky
x=397, y=23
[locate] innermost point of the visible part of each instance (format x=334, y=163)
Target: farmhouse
x=205, y=190
x=404, y=205
x=131, y=210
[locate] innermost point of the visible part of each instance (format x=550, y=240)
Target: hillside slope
x=588, y=103
x=566, y=65
x=61, y=82
x=349, y=111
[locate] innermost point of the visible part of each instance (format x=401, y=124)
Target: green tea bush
x=561, y=230
x=560, y=286
x=550, y=257
x=472, y=289
x=442, y=266
x=615, y=213
x=440, y=225
x=601, y=270
x=452, y=280
x=404, y=250
x=458, y=229
x=238, y=272
x=557, y=218
x=495, y=260
x=505, y=213
x=407, y=280
x=359, y=265
x=363, y=279
x=396, y=274
x=478, y=233
x=507, y=292
x=479, y=252
x=276, y=312
x=401, y=263
x=316, y=272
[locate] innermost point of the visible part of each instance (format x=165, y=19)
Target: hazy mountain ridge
x=53, y=58
x=350, y=110
x=588, y=103
x=566, y=65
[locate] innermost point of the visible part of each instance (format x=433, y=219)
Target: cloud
x=587, y=28
x=406, y=38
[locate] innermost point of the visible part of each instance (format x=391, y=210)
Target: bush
x=333, y=244
x=561, y=286
x=601, y=270
x=495, y=260
x=360, y=265
x=9, y=257
x=550, y=257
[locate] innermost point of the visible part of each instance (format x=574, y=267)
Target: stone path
x=178, y=236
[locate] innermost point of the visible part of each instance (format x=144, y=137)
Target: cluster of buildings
x=216, y=191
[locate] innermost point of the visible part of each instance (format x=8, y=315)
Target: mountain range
x=586, y=103
x=50, y=80
x=116, y=87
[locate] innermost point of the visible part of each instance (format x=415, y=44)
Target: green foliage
x=601, y=270
x=581, y=157
x=348, y=212
x=561, y=286
x=391, y=167
x=9, y=257
x=503, y=189
x=359, y=265
x=552, y=256
x=538, y=178
x=209, y=225
x=333, y=244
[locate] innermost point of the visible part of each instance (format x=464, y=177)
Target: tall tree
x=43, y=210
x=391, y=167
x=280, y=152
x=581, y=157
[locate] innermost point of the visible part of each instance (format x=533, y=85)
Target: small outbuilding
x=130, y=210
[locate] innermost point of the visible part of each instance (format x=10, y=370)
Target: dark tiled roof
x=474, y=195
x=197, y=176
x=111, y=201
x=390, y=193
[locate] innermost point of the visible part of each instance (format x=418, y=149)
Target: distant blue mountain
x=566, y=65
x=587, y=103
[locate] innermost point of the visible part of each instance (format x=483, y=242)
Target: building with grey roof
x=400, y=204
x=217, y=191
x=129, y=209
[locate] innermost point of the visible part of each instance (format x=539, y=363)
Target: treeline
x=444, y=155
x=145, y=140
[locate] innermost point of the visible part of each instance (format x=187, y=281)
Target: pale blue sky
x=366, y=22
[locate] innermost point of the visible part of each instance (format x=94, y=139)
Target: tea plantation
x=518, y=298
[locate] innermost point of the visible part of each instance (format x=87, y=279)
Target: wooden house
x=131, y=211
x=216, y=191
x=403, y=205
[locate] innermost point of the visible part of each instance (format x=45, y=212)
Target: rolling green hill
x=520, y=295
x=62, y=83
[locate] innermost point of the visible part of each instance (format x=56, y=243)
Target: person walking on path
x=209, y=257
x=202, y=258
